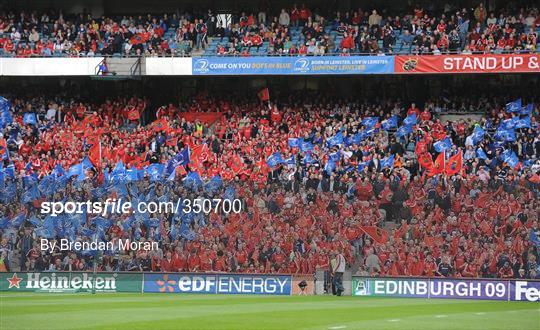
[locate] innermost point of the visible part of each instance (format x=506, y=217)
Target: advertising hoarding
x=479, y=289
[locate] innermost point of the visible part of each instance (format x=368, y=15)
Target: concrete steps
x=126, y=66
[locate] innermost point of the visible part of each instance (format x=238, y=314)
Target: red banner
x=205, y=117
x=467, y=63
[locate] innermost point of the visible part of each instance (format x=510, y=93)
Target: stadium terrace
x=275, y=31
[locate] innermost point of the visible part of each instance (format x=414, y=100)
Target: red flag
x=455, y=163
x=236, y=164
x=425, y=160
x=401, y=231
x=264, y=95
x=180, y=170
x=377, y=234
x=438, y=165
x=200, y=152
x=431, y=241
x=3, y=146
x=263, y=166
x=134, y=114
x=160, y=125
x=94, y=154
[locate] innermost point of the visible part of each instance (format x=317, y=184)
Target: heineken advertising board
x=71, y=282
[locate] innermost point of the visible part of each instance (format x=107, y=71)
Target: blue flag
x=80, y=169
x=9, y=171
x=509, y=123
x=30, y=119
x=387, y=162
x=510, y=158
x=5, y=115
x=478, y=134
x=229, y=193
x=132, y=174
x=213, y=185
x=4, y=223
x=306, y=146
x=155, y=172
x=527, y=110
x=524, y=122
x=514, y=106
x=289, y=161
x=35, y=221
x=443, y=145
x=294, y=142
x=534, y=238
x=335, y=140
x=410, y=120
x=335, y=157
x=480, y=153
x=356, y=138
x=18, y=220
x=182, y=158
x=404, y=130
x=119, y=168
x=505, y=135
x=390, y=123
x=193, y=180
x=370, y=122
x=308, y=159
x=274, y=159
x=31, y=194
x=172, y=176
x=58, y=171
x=363, y=165
x=118, y=173
x=330, y=167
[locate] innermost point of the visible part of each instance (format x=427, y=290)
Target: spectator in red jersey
x=414, y=110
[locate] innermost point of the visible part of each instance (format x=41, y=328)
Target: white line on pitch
x=440, y=316
x=337, y=327
x=480, y=313
x=394, y=320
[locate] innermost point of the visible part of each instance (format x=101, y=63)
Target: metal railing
x=136, y=68
x=397, y=53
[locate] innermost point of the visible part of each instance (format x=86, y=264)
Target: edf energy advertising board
x=218, y=284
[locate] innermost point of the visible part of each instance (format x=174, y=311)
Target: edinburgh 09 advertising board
x=71, y=282
x=283, y=65
x=515, y=290
x=486, y=63
x=218, y=284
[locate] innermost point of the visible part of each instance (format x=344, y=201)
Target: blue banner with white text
x=313, y=65
x=218, y=284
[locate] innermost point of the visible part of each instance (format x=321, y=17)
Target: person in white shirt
x=338, y=268
x=51, y=113
x=284, y=18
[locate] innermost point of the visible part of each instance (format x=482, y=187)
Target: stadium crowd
x=316, y=176
x=288, y=31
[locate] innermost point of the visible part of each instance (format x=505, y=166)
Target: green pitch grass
x=175, y=311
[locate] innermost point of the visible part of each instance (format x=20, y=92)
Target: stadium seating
x=398, y=195
x=372, y=34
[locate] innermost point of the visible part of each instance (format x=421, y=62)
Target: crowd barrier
x=266, y=284
x=441, y=288
x=208, y=283
x=284, y=65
